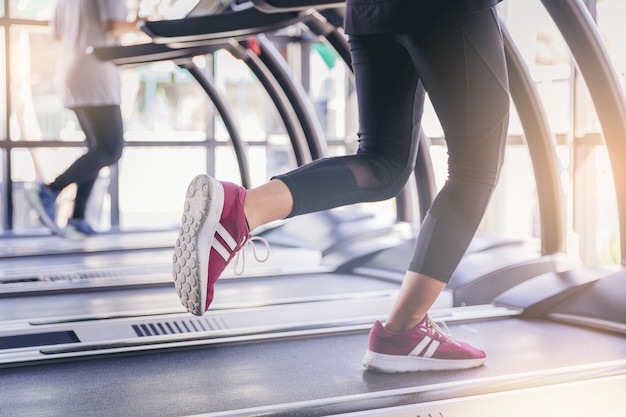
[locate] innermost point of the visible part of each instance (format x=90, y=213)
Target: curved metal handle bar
x=307, y=116
x=145, y=53
x=279, y=98
x=210, y=33
x=540, y=142
x=208, y=85
x=581, y=34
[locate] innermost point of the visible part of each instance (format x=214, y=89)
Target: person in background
x=453, y=49
x=91, y=89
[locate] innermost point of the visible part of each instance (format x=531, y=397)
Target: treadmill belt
x=276, y=375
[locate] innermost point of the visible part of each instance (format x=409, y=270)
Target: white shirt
x=80, y=78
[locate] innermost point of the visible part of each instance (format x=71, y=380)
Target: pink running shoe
x=423, y=348
x=213, y=231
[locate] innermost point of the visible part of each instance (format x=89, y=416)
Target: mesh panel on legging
x=390, y=109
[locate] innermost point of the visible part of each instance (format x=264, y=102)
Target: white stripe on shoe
x=431, y=349
x=426, y=348
x=220, y=249
x=419, y=348
x=228, y=238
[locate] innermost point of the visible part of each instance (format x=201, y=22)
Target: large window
x=173, y=131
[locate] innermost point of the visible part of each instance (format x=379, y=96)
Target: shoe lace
x=242, y=255
x=445, y=332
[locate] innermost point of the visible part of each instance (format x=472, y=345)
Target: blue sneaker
x=78, y=229
x=43, y=200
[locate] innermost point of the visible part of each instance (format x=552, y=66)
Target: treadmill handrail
x=149, y=52
x=540, y=142
x=581, y=34
x=279, y=6
x=214, y=27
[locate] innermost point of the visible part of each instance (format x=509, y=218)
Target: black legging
x=104, y=133
x=460, y=62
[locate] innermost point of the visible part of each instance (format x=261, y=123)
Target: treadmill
x=179, y=366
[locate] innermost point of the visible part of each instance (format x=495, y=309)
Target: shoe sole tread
x=199, y=220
